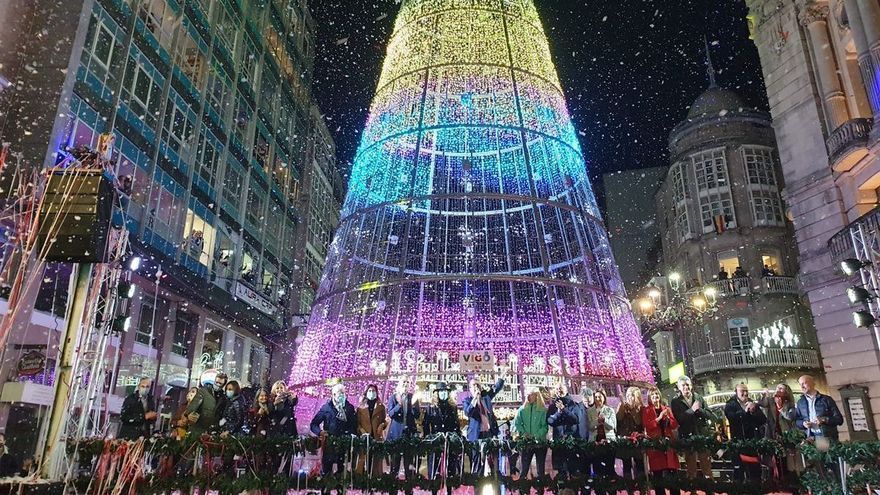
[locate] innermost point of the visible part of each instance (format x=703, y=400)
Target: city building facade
x=819, y=60
x=209, y=106
x=725, y=236
x=632, y=222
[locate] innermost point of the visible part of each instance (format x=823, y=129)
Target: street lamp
x=674, y=280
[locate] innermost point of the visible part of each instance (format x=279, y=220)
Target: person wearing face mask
x=531, y=424
x=336, y=418
x=403, y=413
x=220, y=394
x=568, y=418
x=179, y=423
x=371, y=423
x=138, y=413
x=441, y=417
x=201, y=411
x=234, y=413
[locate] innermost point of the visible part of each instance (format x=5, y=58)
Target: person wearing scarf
x=403, y=413
x=482, y=424
x=442, y=417
x=371, y=421
x=781, y=418
x=336, y=418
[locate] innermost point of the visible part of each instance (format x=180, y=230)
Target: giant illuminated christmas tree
x=470, y=224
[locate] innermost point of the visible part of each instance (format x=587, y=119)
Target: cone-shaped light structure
x=470, y=224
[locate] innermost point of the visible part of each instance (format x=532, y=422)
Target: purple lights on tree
x=470, y=223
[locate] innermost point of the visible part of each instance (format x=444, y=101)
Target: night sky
x=630, y=68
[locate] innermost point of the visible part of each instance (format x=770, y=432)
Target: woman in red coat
x=659, y=423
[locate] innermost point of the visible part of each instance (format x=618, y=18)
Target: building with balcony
x=726, y=237
x=820, y=67
x=209, y=103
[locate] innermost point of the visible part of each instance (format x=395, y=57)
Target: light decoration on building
x=471, y=218
x=777, y=335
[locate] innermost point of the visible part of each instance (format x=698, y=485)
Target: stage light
x=852, y=265
x=863, y=319
x=121, y=323
x=858, y=295
x=135, y=263
x=125, y=289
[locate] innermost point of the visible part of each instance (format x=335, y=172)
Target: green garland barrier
x=863, y=459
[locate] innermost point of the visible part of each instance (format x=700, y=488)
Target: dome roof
x=715, y=100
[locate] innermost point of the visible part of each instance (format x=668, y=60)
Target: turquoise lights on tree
x=470, y=223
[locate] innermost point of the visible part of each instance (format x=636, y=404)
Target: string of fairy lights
x=469, y=223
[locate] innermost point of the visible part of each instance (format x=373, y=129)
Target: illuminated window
x=226, y=25
x=160, y=20
x=771, y=264
x=199, y=238
x=728, y=261
x=191, y=60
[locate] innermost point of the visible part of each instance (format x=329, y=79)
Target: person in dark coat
x=817, y=414
x=335, y=418
x=746, y=420
x=138, y=413
x=201, y=411
x=482, y=423
x=404, y=413
x=220, y=399
x=9, y=466
x=694, y=418
x=441, y=417
x=234, y=414
x=283, y=410
x=567, y=418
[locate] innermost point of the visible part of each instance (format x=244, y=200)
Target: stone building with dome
x=733, y=309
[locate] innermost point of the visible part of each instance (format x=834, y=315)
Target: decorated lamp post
x=676, y=308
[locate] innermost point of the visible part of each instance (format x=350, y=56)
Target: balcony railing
x=779, y=285
x=771, y=358
x=730, y=287
x=848, y=143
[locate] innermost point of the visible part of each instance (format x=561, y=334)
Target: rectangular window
x=248, y=65
x=199, y=238
x=713, y=188
x=143, y=331
x=728, y=262
x=771, y=265
x=160, y=20
x=254, y=207
x=232, y=184
x=143, y=93
x=740, y=339
x=250, y=265
x=766, y=201
x=191, y=60
x=679, y=197
x=207, y=164
x=102, y=45
x=183, y=331
x=218, y=90
x=227, y=27
x=178, y=127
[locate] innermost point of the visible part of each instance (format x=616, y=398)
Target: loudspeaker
x=75, y=216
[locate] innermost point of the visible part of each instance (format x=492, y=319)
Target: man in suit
x=337, y=418
x=747, y=422
x=482, y=423
x=694, y=418
x=817, y=413
x=138, y=412
x=567, y=418
x=403, y=413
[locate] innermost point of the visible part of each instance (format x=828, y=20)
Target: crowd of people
x=221, y=406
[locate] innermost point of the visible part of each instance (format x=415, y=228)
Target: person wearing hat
x=201, y=413
x=441, y=417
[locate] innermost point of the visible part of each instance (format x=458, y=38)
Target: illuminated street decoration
x=470, y=223
x=777, y=335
